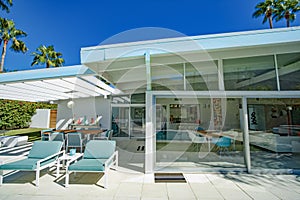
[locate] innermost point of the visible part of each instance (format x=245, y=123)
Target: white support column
x=221, y=75
x=276, y=72
x=129, y=121
x=150, y=140
x=148, y=70
x=168, y=116
x=246, y=135
x=184, y=77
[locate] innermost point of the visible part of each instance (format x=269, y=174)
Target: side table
x=61, y=161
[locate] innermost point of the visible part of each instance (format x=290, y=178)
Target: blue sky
x=72, y=24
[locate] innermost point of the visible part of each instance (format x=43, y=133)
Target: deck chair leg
x=67, y=179
x=1, y=177
x=37, y=176
x=117, y=160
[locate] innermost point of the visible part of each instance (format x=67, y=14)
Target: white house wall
x=41, y=119
x=84, y=107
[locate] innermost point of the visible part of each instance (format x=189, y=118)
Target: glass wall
x=201, y=75
x=187, y=138
x=250, y=73
x=120, y=121
x=274, y=133
x=167, y=77
x=289, y=71
x=195, y=76
x=128, y=115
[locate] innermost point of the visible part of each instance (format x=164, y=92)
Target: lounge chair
x=43, y=154
x=98, y=156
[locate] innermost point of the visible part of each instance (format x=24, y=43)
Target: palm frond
x=5, y=4
x=47, y=55
x=18, y=46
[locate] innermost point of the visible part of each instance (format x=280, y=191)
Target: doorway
x=128, y=121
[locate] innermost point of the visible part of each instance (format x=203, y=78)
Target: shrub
x=17, y=114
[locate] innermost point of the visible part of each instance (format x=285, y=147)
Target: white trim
x=231, y=94
x=187, y=38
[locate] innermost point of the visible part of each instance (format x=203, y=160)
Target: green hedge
x=17, y=114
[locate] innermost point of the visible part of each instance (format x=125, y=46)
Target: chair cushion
x=88, y=165
x=99, y=149
x=43, y=149
x=25, y=164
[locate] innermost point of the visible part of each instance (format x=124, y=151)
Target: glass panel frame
x=250, y=73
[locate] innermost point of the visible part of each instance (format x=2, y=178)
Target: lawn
x=33, y=133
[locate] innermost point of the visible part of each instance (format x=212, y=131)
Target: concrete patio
x=126, y=184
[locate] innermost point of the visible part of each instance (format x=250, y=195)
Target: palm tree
x=5, y=4
x=265, y=9
x=287, y=9
x=8, y=32
x=47, y=55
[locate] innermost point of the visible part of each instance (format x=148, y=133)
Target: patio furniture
x=90, y=133
x=81, y=123
x=98, y=156
x=45, y=134
x=107, y=135
x=199, y=139
x=13, y=141
x=223, y=143
x=61, y=161
x=58, y=136
x=43, y=154
x=75, y=140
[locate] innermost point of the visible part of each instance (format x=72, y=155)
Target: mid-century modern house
x=203, y=103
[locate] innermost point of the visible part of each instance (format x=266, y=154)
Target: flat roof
x=39, y=74
x=53, y=84
x=182, y=44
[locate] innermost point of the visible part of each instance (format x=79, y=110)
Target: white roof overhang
x=123, y=64
x=44, y=85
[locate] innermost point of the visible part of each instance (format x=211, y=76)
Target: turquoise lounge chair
x=98, y=156
x=43, y=154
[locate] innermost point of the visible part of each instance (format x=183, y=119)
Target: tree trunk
x=269, y=16
x=287, y=17
x=3, y=55
x=270, y=22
